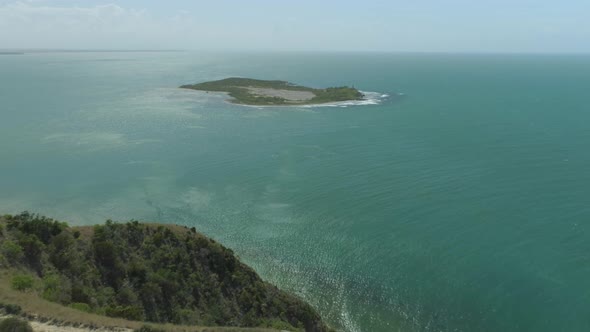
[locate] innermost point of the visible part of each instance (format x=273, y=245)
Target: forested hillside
x=144, y=272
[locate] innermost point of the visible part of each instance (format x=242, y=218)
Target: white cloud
x=42, y=24
x=36, y=25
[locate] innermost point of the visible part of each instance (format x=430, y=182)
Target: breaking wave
x=371, y=98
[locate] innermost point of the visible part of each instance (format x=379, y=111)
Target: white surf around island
x=370, y=98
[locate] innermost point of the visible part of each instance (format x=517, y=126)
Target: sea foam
x=371, y=98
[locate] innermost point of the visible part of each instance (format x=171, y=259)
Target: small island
x=247, y=91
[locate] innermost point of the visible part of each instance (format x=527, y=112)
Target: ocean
x=456, y=199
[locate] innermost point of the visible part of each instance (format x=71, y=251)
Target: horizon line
x=115, y=50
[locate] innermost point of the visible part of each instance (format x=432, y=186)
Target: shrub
x=81, y=306
x=12, y=251
x=11, y=309
x=51, y=287
x=185, y=316
x=22, y=282
x=57, y=288
x=15, y=325
x=127, y=312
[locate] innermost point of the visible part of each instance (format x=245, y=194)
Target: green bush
x=12, y=251
x=11, y=309
x=81, y=306
x=58, y=288
x=22, y=282
x=15, y=325
x=127, y=312
x=50, y=287
x=186, y=317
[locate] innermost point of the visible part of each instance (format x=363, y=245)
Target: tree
x=12, y=251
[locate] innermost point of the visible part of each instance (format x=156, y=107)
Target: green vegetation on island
x=141, y=272
x=249, y=91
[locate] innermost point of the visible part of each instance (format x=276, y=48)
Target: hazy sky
x=331, y=25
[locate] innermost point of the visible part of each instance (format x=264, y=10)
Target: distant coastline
x=36, y=51
x=247, y=91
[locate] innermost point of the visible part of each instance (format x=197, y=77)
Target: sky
x=498, y=26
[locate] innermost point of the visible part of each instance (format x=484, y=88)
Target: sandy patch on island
x=289, y=95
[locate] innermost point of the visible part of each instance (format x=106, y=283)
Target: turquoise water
x=462, y=205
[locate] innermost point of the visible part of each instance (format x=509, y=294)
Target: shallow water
x=460, y=206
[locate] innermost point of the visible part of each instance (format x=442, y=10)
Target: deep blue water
x=462, y=205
